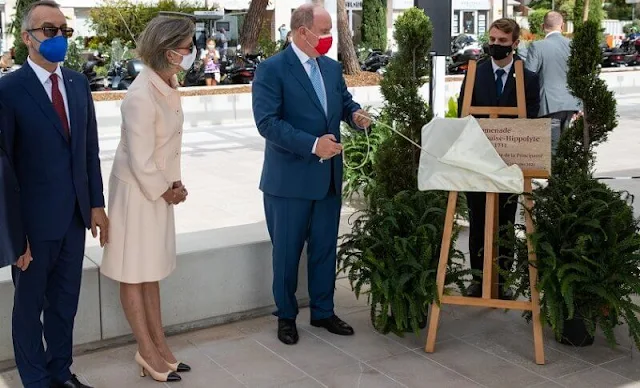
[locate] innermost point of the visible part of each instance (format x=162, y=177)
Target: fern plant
x=392, y=252
x=360, y=155
x=588, y=256
x=391, y=255
x=586, y=238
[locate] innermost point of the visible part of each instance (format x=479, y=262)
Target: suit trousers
x=559, y=123
x=50, y=286
x=507, y=205
x=292, y=222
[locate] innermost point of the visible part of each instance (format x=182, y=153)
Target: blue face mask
x=54, y=49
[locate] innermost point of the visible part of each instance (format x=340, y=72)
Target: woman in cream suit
x=144, y=187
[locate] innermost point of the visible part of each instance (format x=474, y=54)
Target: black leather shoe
x=287, y=331
x=334, y=324
x=73, y=382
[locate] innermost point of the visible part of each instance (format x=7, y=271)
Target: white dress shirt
x=44, y=77
x=304, y=58
x=551, y=33
x=505, y=76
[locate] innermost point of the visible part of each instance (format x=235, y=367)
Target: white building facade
x=468, y=16
x=475, y=16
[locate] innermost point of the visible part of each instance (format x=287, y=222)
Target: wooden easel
x=490, y=278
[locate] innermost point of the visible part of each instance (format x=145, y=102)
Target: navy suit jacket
x=290, y=117
x=55, y=176
x=12, y=238
x=485, y=94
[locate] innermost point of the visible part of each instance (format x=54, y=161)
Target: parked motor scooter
x=375, y=61
x=88, y=69
x=463, y=49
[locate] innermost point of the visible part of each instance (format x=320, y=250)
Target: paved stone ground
x=477, y=347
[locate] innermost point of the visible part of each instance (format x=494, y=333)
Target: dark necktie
x=58, y=104
x=499, y=83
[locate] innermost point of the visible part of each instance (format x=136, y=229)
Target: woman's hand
x=183, y=190
x=174, y=196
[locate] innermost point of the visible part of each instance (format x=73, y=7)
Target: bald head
x=308, y=23
x=553, y=21
x=304, y=16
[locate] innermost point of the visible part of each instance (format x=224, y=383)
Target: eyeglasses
x=50, y=32
x=190, y=48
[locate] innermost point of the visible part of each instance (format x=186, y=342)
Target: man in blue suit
x=12, y=239
x=299, y=100
x=52, y=142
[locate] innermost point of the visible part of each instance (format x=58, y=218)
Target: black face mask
x=499, y=52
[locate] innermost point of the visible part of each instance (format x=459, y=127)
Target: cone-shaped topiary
x=393, y=250
x=598, y=103
x=397, y=160
x=587, y=240
x=374, y=24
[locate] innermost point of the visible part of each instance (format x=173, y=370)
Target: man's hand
x=24, y=260
x=99, y=220
x=361, y=119
x=328, y=147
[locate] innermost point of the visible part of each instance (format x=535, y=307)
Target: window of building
x=455, y=25
x=469, y=22
x=482, y=22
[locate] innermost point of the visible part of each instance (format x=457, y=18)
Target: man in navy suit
x=52, y=143
x=495, y=85
x=299, y=100
x=12, y=239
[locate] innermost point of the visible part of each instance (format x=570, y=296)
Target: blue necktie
x=499, y=83
x=316, y=81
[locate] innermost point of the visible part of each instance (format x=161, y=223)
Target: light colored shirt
x=44, y=78
x=304, y=58
x=551, y=33
x=507, y=70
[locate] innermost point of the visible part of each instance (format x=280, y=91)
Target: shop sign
x=353, y=4
x=471, y=4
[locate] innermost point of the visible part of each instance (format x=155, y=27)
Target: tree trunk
x=253, y=25
x=350, y=63
x=585, y=11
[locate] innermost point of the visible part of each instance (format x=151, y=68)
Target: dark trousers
x=51, y=285
x=291, y=222
x=507, y=205
x=559, y=123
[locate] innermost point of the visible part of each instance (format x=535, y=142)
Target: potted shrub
x=392, y=251
x=588, y=259
x=586, y=240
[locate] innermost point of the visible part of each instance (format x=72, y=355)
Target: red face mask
x=324, y=43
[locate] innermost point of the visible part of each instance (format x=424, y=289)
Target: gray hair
x=163, y=33
x=553, y=19
x=28, y=13
x=303, y=16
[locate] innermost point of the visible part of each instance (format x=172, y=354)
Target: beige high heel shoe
x=178, y=366
x=161, y=377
